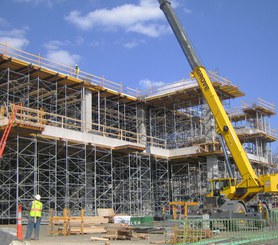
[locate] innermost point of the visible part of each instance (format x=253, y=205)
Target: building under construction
x=87, y=142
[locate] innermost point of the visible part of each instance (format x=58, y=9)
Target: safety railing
x=169, y=88
x=260, y=103
x=217, y=78
x=41, y=61
x=65, y=69
x=222, y=231
x=32, y=118
x=246, y=129
x=25, y=116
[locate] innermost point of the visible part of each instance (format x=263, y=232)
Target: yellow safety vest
x=36, y=209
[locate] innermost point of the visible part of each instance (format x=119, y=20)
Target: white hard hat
x=38, y=197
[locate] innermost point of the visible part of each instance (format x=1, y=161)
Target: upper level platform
x=37, y=66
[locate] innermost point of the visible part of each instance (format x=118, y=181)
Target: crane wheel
x=239, y=208
x=235, y=225
x=265, y=212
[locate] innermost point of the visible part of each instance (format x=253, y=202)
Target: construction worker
x=34, y=218
x=77, y=70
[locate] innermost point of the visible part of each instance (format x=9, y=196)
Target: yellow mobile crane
x=251, y=184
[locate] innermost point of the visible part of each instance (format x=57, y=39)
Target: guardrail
x=65, y=69
x=40, y=61
x=40, y=118
x=260, y=103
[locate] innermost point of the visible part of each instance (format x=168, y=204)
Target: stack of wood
x=68, y=224
x=61, y=222
x=121, y=232
x=86, y=224
x=86, y=229
x=106, y=213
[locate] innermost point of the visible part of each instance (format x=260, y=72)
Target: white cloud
x=63, y=57
x=15, y=38
x=55, y=44
x=56, y=52
x=148, y=84
x=141, y=18
x=187, y=11
x=131, y=44
x=15, y=32
x=19, y=43
x=152, y=30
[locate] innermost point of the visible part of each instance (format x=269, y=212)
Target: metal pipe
x=180, y=33
x=227, y=160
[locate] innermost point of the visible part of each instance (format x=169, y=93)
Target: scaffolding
x=91, y=143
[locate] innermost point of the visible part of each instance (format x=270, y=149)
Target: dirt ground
x=45, y=238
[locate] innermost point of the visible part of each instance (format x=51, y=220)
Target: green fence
x=222, y=231
x=274, y=215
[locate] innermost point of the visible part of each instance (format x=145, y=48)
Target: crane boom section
x=226, y=129
x=223, y=123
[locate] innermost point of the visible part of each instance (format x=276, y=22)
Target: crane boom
x=251, y=183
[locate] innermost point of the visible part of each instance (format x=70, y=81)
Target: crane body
x=251, y=184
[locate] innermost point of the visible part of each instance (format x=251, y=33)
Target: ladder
x=8, y=129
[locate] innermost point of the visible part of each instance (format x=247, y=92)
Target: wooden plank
x=93, y=238
x=93, y=229
x=93, y=220
x=105, y=212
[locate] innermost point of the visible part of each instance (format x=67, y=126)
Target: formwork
x=88, y=142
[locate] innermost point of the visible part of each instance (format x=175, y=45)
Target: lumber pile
x=87, y=220
x=106, y=213
x=86, y=230
x=122, y=232
x=61, y=222
x=68, y=224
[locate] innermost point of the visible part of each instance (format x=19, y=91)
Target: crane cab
x=222, y=186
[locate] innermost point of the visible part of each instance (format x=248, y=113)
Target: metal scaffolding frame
x=161, y=184
x=188, y=180
x=188, y=125
x=78, y=175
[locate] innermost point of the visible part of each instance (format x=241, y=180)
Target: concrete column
x=210, y=136
x=212, y=167
x=86, y=111
x=209, y=124
x=141, y=123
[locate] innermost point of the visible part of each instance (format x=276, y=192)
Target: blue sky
x=130, y=41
